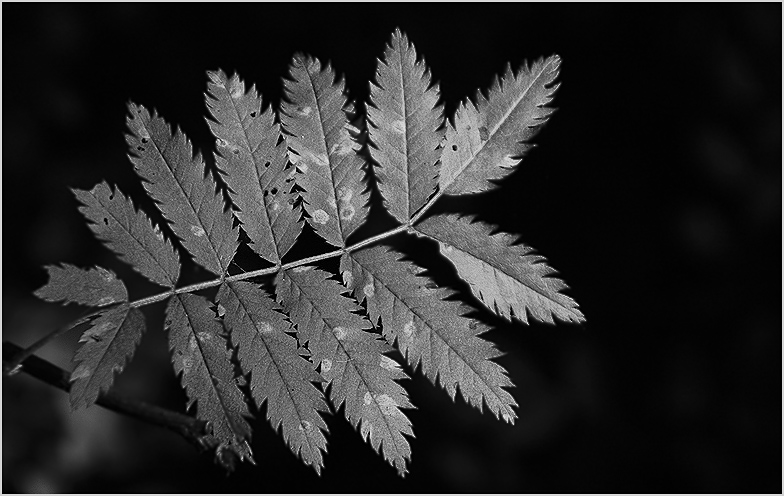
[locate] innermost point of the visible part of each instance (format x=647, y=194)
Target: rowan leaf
x=200, y=354
x=176, y=180
x=404, y=122
x=429, y=330
x=509, y=279
x=488, y=139
x=252, y=156
x=351, y=359
x=95, y=287
x=107, y=345
x=318, y=134
x=278, y=374
x=129, y=233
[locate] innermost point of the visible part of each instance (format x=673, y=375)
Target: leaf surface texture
x=429, y=330
x=129, y=233
x=176, y=180
x=200, y=354
x=404, y=123
x=509, y=279
x=278, y=374
x=351, y=359
x=95, y=287
x=318, y=134
x=107, y=345
x=254, y=164
x=488, y=139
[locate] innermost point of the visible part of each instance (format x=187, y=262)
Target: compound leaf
x=351, y=359
x=490, y=138
x=429, y=330
x=95, y=287
x=129, y=233
x=278, y=374
x=404, y=123
x=325, y=153
x=253, y=162
x=509, y=279
x=108, y=345
x=200, y=354
x=176, y=180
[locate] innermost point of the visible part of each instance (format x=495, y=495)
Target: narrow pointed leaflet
x=319, y=136
x=351, y=359
x=488, y=139
x=429, y=330
x=176, y=180
x=129, y=233
x=254, y=166
x=505, y=277
x=404, y=122
x=200, y=354
x=107, y=345
x=278, y=374
x=95, y=287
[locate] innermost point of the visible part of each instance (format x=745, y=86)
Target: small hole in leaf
x=454, y=148
x=235, y=151
x=266, y=192
x=106, y=221
x=145, y=140
x=266, y=164
x=253, y=114
x=140, y=148
x=274, y=190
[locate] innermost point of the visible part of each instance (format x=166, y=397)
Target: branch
x=192, y=429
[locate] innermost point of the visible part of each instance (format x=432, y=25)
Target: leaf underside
x=488, y=139
x=429, y=330
x=200, y=354
x=404, y=125
x=176, y=180
x=278, y=374
x=319, y=136
x=351, y=359
x=509, y=279
x=108, y=344
x=254, y=164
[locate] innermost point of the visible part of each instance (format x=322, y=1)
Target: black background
x=655, y=191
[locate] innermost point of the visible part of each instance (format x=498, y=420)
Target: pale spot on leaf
x=265, y=327
x=341, y=149
x=348, y=278
x=205, y=336
x=106, y=300
x=304, y=268
x=192, y=343
x=197, y=231
x=347, y=212
x=368, y=398
x=326, y=365
x=369, y=290
x=81, y=372
x=305, y=425
x=320, y=217
x=398, y=126
x=107, y=276
x=221, y=310
x=187, y=364
x=341, y=333
x=409, y=329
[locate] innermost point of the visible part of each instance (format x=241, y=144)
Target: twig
x=192, y=429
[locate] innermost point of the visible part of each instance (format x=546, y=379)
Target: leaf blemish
x=81, y=372
x=368, y=398
x=320, y=217
x=387, y=404
x=369, y=290
x=105, y=301
x=483, y=134
x=341, y=333
x=409, y=329
x=305, y=425
x=347, y=212
x=348, y=279
x=304, y=268
x=197, y=231
x=265, y=327
x=326, y=365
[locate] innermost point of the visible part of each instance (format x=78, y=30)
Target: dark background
x=655, y=191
